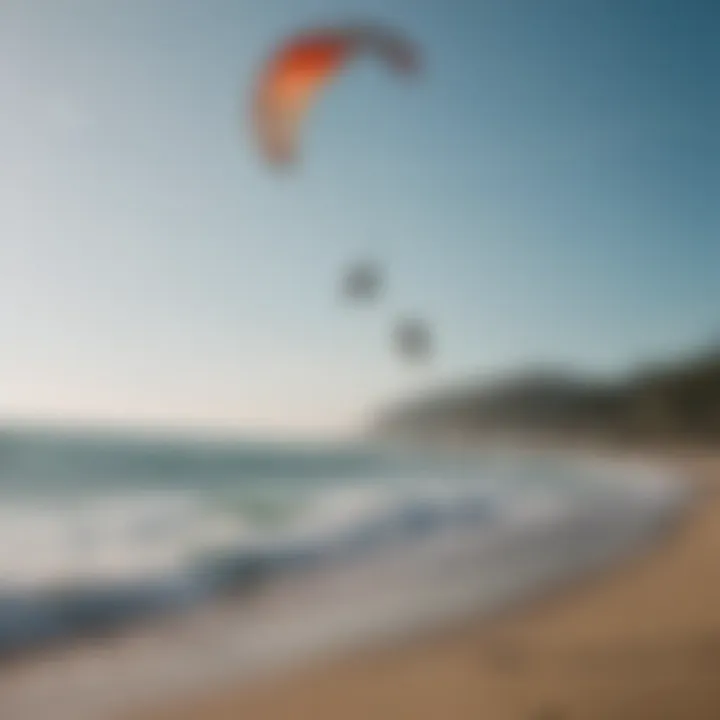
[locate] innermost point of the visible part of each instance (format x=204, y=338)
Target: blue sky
x=546, y=192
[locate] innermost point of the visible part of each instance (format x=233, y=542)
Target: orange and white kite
x=302, y=66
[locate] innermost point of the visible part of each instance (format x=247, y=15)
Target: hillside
x=678, y=400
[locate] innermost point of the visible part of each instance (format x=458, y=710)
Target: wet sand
x=640, y=642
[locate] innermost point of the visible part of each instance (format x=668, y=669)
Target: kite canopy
x=302, y=66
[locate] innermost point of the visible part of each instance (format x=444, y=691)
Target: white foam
x=423, y=582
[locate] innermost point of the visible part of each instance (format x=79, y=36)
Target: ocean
x=310, y=545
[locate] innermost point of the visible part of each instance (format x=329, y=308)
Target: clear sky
x=548, y=191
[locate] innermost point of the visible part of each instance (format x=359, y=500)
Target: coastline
x=202, y=690
x=639, y=640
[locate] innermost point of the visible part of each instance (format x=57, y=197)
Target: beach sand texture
x=640, y=642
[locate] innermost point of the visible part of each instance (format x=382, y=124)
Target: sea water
x=102, y=531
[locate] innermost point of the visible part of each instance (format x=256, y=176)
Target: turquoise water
x=97, y=530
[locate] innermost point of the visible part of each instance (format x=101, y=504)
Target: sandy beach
x=641, y=641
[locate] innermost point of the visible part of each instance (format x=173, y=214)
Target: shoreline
x=640, y=639
x=207, y=628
